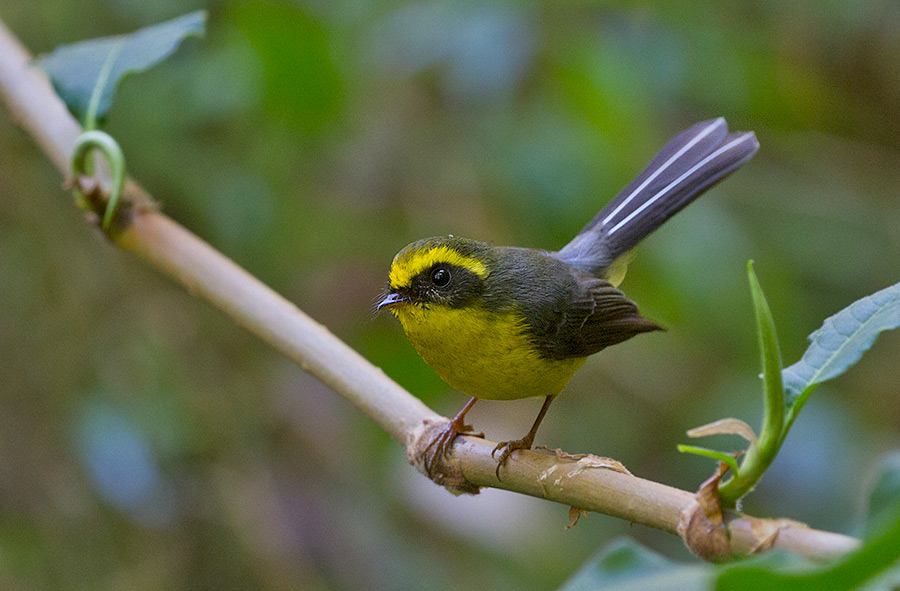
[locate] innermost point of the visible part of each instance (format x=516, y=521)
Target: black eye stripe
x=446, y=284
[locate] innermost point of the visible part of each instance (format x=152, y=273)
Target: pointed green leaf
x=840, y=343
x=705, y=452
x=770, y=360
x=760, y=456
x=86, y=74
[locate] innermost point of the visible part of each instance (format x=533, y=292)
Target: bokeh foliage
x=147, y=442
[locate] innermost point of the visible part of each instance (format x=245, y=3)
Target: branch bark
x=205, y=272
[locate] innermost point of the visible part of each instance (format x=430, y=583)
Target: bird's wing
x=596, y=316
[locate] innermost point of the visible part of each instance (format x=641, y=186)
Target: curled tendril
x=98, y=140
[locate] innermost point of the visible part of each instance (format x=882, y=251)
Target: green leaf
x=770, y=359
x=760, y=456
x=705, y=452
x=839, y=344
x=86, y=74
x=884, y=497
x=625, y=565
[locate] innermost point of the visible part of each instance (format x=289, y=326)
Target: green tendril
x=98, y=140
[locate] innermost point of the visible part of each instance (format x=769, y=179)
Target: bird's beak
x=391, y=300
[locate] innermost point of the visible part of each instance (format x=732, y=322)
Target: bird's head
x=444, y=271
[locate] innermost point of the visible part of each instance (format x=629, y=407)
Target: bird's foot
x=507, y=447
x=444, y=441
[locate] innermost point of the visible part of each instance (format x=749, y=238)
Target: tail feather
x=689, y=164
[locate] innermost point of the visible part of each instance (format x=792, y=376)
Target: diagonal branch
x=207, y=273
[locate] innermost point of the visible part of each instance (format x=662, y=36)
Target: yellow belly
x=483, y=354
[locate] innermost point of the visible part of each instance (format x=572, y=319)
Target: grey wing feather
x=597, y=317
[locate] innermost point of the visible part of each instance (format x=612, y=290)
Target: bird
x=505, y=323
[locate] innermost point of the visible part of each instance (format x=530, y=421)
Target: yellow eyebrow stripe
x=411, y=264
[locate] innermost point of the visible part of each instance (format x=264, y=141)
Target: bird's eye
x=440, y=277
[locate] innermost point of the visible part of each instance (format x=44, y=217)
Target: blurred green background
x=146, y=442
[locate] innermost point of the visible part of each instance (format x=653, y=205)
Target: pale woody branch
x=206, y=273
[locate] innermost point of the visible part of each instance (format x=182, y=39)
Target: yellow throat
x=484, y=354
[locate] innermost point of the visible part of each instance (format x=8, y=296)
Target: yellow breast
x=484, y=354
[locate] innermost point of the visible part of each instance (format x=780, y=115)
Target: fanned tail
x=692, y=162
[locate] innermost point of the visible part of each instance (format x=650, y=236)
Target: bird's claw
x=507, y=448
x=444, y=442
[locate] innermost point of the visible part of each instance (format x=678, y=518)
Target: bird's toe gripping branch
x=436, y=462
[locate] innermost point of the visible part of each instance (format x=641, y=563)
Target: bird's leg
x=445, y=438
x=526, y=442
